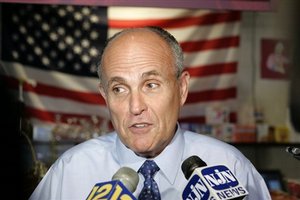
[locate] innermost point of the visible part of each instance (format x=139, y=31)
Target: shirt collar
x=168, y=161
x=127, y=157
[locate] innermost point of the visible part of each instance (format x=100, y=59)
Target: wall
x=272, y=96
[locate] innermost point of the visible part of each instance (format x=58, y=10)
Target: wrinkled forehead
x=135, y=49
x=135, y=46
x=138, y=36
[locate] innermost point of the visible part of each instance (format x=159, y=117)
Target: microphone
x=210, y=182
x=121, y=187
x=294, y=151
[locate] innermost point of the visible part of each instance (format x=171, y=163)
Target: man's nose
x=137, y=103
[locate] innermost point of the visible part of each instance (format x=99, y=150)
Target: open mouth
x=140, y=128
x=140, y=125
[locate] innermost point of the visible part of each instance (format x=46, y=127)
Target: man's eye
x=152, y=85
x=118, y=90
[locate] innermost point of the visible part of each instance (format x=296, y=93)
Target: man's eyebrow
x=116, y=79
x=151, y=73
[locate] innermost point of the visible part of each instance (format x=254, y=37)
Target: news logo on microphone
x=196, y=189
x=213, y=183
x=112, y=190
x=121, y=187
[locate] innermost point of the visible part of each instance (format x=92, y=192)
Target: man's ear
x=102, y=90
x=184, y=86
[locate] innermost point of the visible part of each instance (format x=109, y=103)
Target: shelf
x=265, y=144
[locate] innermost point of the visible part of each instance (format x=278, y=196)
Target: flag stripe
x=198, y=33
x=215, y=69
x=50, y=77
x=216, y=82
x=63, y=105
x=208, y=19
x=144, y=13
x=210, y=57
x=210, y=44
x=47, y=90
x=212, y=95
x=48, y=116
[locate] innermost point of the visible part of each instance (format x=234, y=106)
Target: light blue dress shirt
x=74, y=174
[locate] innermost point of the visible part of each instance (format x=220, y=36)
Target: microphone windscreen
x=128, y=177
x=289, y=149
x=296, y=151
x=293, y=150
x=190, y=164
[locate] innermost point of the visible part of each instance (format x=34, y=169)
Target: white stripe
x=52, y=78
x=61, y=105
x=211, y=57
x=199, y=109
x=206, y=32
x=212, y=82
x=141, y=13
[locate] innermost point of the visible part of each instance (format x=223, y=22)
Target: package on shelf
x=263, y=133
x=270, y=133
x=205, y=129
x=223, y=131
x=244, y=133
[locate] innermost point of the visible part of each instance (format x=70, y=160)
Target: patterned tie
x=150, y=190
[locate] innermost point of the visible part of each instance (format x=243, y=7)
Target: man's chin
x=142, y=152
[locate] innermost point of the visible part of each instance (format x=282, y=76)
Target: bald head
x=153, y=37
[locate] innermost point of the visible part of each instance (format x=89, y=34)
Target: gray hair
x=165, y=35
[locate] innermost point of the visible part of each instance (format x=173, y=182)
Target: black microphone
x=210, y=182
x=190, y=164
x=294, y=151
x=123, y=184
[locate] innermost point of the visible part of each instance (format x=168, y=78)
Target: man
x=144, y=85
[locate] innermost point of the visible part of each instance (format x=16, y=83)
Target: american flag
x=52, y=51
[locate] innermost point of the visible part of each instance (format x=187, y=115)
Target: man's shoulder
x=100, y=142
x=96, y=146
x=201, y=138
x=208, y=145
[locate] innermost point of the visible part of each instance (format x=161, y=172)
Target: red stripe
x=211, y=18
x=216, y=69
x=212, y=95
x=201, y=119
x=49, y=116
x=225, y=42
x=46, y=90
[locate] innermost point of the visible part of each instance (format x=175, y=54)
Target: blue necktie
x=150, y=190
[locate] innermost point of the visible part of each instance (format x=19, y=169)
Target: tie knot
x=148, y=168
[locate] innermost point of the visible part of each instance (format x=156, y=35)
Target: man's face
x=142, y=91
